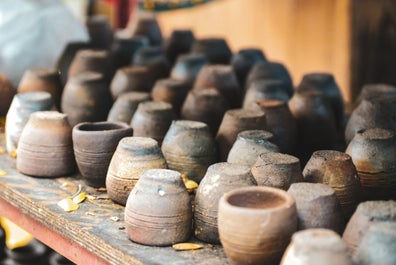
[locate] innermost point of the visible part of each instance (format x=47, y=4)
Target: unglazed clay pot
x=132, y=156
x=243, y=61
x=371, y=90
x=317, y=207
x=265, y=89
x=154, y=58
x=215, y=49
x=124, y=47
x=145, y=24
x=249, y=145
x=277, y=170
x=188, y=66
x=100, y=31
x=158, y=211
x=189, y=148
x=219, y=179
x=179, y=42
x=367, y=213
x=251, y=219
x=125, y=106
x=45, y=148
x=234, y=122
x=337, y=170
x=316, y=246
x=94, y=145
x=374, y=154
x=7, y=93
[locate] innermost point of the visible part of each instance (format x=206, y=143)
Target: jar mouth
x=100, y=126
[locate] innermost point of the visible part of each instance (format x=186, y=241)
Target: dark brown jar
x=145, y=24
x=100, y=31
x=371, y=90
x=124, y=47
x=179, y=42
x=262, y=89
x=188, y=66
x=7, y=92
x=243, y=61
x=154, y=58
x=215, y=49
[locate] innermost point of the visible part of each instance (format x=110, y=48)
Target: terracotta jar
x=100, y=31
x=19, y=112
x=45, y=148
x=125, y=106
x=152, y=119
x=223, y=78
x=145, y=24
x=94, y=145
x=154, y=58
x=207, y=106
x=7, y=92
x=251, y=219
x=234, y=122
x=219, y=179
x=316, y=246
x=249, y=145
x=277, y=170
x=131, y=79
x=86, y=97
x=374, y=154
x=243, y=61
x=215, y=49
x=281, y=123
x=337, y=170
x=124, y=47
x=132, y=156
x=366, y=214
x=158, y=211
x=317, y=207
x=187, y=67
x=371, y=90
x=179, y=42
x=189, y=148
x=40, y=79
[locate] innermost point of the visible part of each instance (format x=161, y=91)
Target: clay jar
x=215, y=49
x=316, y=246
x=154, y=58
x=265, y=89
x=179, y=42
x=366, y=214
x=189, y=148
x=187, y=67
x=94, y=145
x=219, y=179
x=7, y=92
x=249, y=145
x=277, y=170
x=235, y=121
x=100, y=31
x=281, y=123
x=337, y=170
x=132, y=156
x=243, y=61
x=207, y=106
x=124, y=47
x=317, y=207
x=223, y=78
x=45, y=148
x=372, y=90
x=152, y=119
x=374, y=154
x=86, y=98
x=145, y=24
x=251, y=220
x=125, y=106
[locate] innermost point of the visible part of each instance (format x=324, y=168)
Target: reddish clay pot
x=261, y=89
x=337, y=170
x=277, y=170
x=188, y=66
x=124, y=47
x=219, y=179
x=132, y=156
x=7, y=93
x=146, y=24
x=251, y=219
x=243, y=61
x=215, y=49
x=154, y=58
x=371, y=90
x=158, y=211
x=94, y=145
x=100, y=31
x=179, y=42
x=45, y=148
x=366, y=214
x=317, y=207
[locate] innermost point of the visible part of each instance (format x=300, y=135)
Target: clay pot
x=207, y=106
x=94, y=145
x=125, y=106
x=131, y=78
x=154, y=58
x=86, y=97
x=316, y=246
x=7, y=92
x=188, y=66
x=132, y=156
x=251, y=219
x=374, y=152
x=366, y=214
x=265, y=89
x=223, y=78
x=378, y=245
x=158, y=211
x=234, y=122
x=45, y=148
x=152, y=119
x=179, y=42
x=219, y=179
x=40, y=79
x=145, y=24
x=277, y=170
x=243, y=61
x=124, y=47
x=317, y=207
x=172, y=91
x=249, y=145
x=21, y=107
x=100, y=31
x=215, y=49
x=281, y=123
x=371, y=90
x=337, y=170
x=189, y=148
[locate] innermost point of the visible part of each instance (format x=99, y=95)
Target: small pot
x=124, y=47
x=371, y=90
x=7, y=92
x=154, y=58
x=244, y=60
x=188, y=66
x=179, y=42
x=261, y=89
x=100, y=31
x=145, y=24
x=215, y=49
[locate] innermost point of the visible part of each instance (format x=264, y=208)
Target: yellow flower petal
x=186, y=246
x=68, y=205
